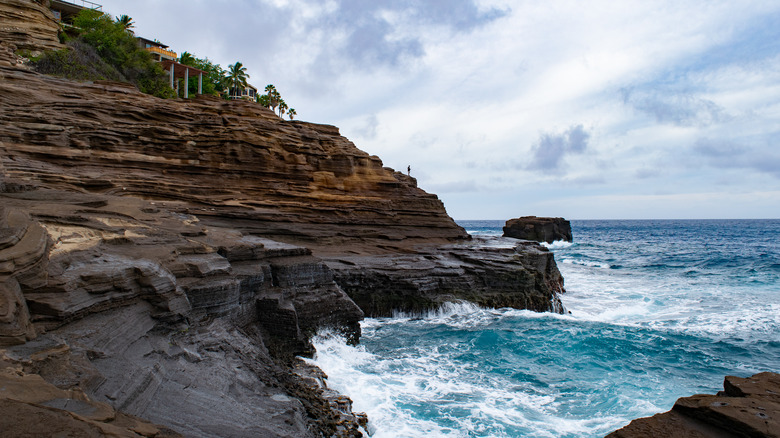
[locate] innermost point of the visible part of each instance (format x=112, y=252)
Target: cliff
x=28, y=25
x=169, y=257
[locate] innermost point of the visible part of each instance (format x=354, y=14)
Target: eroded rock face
x=233, y=163
x=539, y=229
x=748, y=407
x=58, y=412
x=24, y=249
x=522, y=276
x=28, y=25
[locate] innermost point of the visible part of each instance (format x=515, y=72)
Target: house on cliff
x=248, y=93
x=168, y=60
x=65, y=11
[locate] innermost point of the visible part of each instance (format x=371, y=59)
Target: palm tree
x=291, y=113
x=237, y=77
x=125, y=22
x=186, y=58
x=282, y=107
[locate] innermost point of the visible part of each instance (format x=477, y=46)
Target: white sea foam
x=558, y=244
x=589, y=263
x=398, y=392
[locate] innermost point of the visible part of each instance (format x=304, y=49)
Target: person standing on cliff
x=409, y=170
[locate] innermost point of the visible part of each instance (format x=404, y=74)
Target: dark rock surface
x=485, y=274
x=748, y=407
x=539, y=229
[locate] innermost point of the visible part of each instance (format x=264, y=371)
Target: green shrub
x=104, y=49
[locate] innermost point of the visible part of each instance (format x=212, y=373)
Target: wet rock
x=508, y=275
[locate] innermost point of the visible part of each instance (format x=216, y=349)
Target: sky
x=582, y=109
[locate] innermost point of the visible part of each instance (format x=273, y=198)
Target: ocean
x=656, y=310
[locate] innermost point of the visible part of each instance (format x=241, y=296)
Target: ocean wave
x=439, y=391
x=558, y=244
x=588, y=263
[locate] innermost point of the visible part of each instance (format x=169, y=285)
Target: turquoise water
x=658, y=310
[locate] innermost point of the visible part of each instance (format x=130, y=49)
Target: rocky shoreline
x=169, y=259
x=164, y=262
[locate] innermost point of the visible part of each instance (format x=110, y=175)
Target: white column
x=171, y=72
x=186, y=82
x=200, y=83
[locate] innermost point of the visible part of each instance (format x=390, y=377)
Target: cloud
x=727, y=154
x=551, y=148
x=381, y=33
x=453, y=187
x=677, y=108
x=368, y=130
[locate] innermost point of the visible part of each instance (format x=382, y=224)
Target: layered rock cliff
x=169, y=257
x=28, y=25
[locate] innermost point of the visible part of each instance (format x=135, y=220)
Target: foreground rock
x=57, y=412
x=748, y=407
x=539, y=229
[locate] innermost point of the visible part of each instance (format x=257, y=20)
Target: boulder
x=539, y=229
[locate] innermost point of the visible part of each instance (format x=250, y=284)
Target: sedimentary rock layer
x=288, y=179
x=28, y=25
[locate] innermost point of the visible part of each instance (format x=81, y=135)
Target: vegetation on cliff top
x=105, y=49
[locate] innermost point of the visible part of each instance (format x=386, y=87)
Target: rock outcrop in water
x=169, y=257
x=539, y=229
x=747, y=407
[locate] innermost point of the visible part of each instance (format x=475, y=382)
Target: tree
x=126, y=23
x=186, y=58
x=282, y=107
x=272, y=97
x=237, y=77
x=117, y=47
x=291, y=113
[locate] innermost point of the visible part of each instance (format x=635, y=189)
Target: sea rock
x=539, y=229
x=748, y=407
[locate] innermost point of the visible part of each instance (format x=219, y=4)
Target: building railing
x=85, y=4
x=161, y=51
